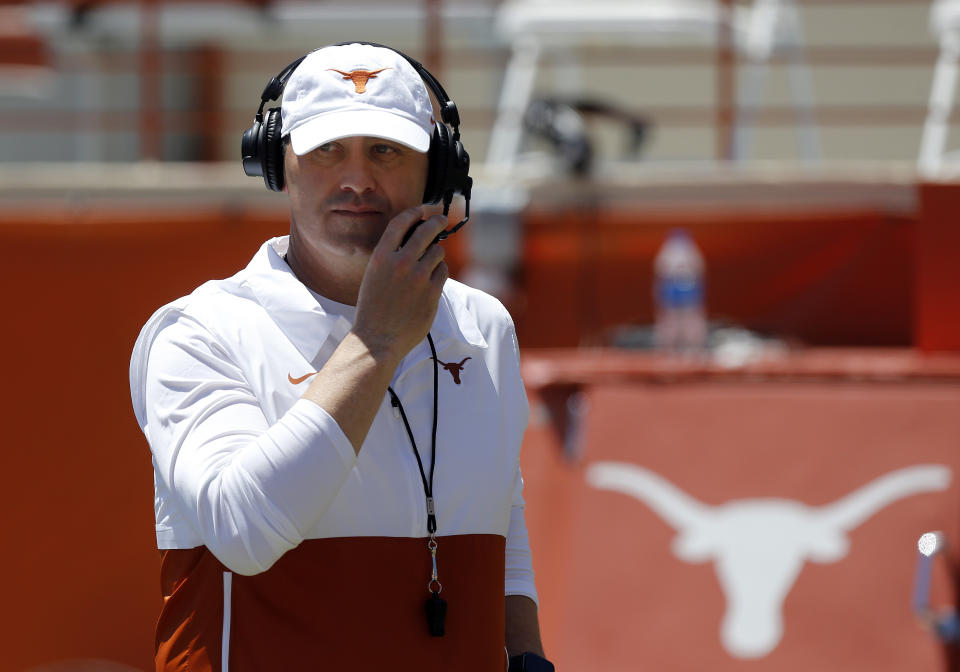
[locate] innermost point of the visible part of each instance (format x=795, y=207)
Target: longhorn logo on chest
x=454, y=368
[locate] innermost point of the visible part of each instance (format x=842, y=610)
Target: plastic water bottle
x=680, y=322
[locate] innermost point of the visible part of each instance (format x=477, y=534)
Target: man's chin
x=358, y=243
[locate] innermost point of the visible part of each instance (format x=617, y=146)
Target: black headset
x=449, y=164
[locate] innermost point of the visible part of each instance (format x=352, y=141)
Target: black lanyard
x=436, y=607
x=427, y=485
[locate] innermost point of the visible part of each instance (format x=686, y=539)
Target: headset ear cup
x=250, y=146
x=458, y=177
x=272, y=151
x=438, y=164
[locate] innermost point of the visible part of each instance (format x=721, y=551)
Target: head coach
x=336, y=429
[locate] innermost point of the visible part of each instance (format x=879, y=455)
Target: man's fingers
x=424, y=235
x=397, y=227
x=440, y=275
x=432, y=256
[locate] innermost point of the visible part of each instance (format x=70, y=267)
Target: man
x=336, y=429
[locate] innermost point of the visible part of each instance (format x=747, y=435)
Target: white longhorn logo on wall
x=758, y=546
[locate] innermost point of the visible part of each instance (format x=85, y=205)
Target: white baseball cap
x=355, y=89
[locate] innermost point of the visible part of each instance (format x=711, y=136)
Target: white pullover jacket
x=276, y=536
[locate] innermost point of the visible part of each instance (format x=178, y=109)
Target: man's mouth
x=356, y=212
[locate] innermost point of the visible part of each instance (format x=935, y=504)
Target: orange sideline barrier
x=937, y=316
x=826, y=278
x=820, y=276
x=628, y=583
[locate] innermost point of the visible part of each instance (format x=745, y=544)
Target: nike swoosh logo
x=297, y=381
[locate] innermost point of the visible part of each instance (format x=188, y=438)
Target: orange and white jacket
x=282, y=548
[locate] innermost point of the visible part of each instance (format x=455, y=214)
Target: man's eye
x=384, y=149
x=324, y=150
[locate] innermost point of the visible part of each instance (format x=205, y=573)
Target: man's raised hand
x=401, y=287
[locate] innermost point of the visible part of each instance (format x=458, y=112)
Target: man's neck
x=326, y=278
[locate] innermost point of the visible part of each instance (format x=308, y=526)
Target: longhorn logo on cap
x=359, y=77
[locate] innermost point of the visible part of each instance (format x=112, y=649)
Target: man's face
x=343, y=193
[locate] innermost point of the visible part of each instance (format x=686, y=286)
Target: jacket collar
x=309, y=327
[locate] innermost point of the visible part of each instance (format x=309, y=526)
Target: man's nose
x=356, y=174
